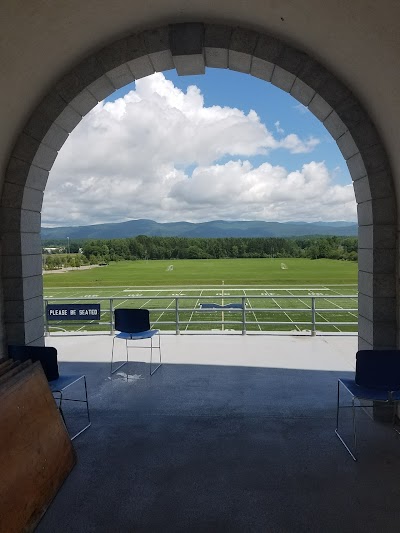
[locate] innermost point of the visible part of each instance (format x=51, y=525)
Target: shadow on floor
x=223, y=448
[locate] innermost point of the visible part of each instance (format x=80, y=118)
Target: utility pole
x=68, y=245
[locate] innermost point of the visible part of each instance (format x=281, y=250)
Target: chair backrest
x=47, y=356
x=132, y=320
x=378, y=369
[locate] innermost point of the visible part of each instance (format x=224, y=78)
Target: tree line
x=55, y=261
x=146, y=247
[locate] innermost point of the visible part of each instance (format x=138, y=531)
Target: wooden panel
x=36, y=454
x=13, y=369
x=5, y=365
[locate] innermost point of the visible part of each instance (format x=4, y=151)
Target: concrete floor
x=232, y=433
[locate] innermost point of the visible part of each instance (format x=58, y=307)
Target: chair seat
x=140, y=335
x=64, y=381
x=367, y=393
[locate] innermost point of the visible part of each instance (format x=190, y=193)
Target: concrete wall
x=71, y=91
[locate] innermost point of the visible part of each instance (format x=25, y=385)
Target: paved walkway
x=232, y=433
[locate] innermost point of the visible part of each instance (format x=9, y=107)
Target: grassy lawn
x=209, y=272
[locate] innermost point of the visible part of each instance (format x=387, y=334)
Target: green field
x=209, y=272
x=278, y=294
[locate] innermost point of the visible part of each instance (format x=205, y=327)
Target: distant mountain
x=215, y=228
x=336, y=224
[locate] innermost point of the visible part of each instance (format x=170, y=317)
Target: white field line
x=284, y=312
x=168, y=306
x=340, y=294
x=115, y=307
x=111, y=297
x=295, y=325
x=251, y=307
x=74, y=294
x=340, y=307
x=235, y=287
x=56, y=294
x=104, y=312
x=191, y=316
x=317, y=313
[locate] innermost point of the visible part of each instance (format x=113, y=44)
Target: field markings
x=340, y=307
x=341, y=294
x=317, y=313
x=285, y=313
x=103, y=313
x=196, y=304
x=115, y=307
x=190, y=287
x=251, y=308
x=150, y=295
x=168, y=306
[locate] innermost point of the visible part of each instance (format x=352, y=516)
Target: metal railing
x=245, y=318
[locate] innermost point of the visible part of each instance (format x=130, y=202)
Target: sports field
x=265, y=294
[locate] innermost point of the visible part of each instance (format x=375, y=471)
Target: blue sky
x=224, y=145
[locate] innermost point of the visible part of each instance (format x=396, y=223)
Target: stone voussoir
x=55, y=137
x=187, y=41
x=241, y=48
x=120, y=76
x=84, y=102
x=283, y=79
x=101, y=88
x=335, y=125
x=114, y=55
x=262, y=69
x=68, y=119
x=302, y=92
x=158, y=48
x=347, y=145
x=319, y=107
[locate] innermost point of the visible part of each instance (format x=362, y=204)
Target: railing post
x=243, y=315
x=111, y=316
x=313, y=327
x=177, y=331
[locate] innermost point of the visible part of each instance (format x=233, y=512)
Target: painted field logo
x=73, y=312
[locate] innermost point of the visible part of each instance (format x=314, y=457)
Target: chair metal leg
x=62, y=414
x=61, y=398
x=395, y=406
x=88, y=414
x=112, y=358
x=151, y=354
x=354, y=425
x=353, y=456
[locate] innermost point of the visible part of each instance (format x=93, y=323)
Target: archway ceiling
x=45, y=40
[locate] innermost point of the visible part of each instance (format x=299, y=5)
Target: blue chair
x=58, y=384
x=377, y=379
x=133, y=325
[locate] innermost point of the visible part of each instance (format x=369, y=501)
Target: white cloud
x=131, y=158
x=302, y=109
x=278, y=127
x=237, y=190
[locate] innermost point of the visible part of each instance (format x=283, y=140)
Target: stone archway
x=189, y=48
